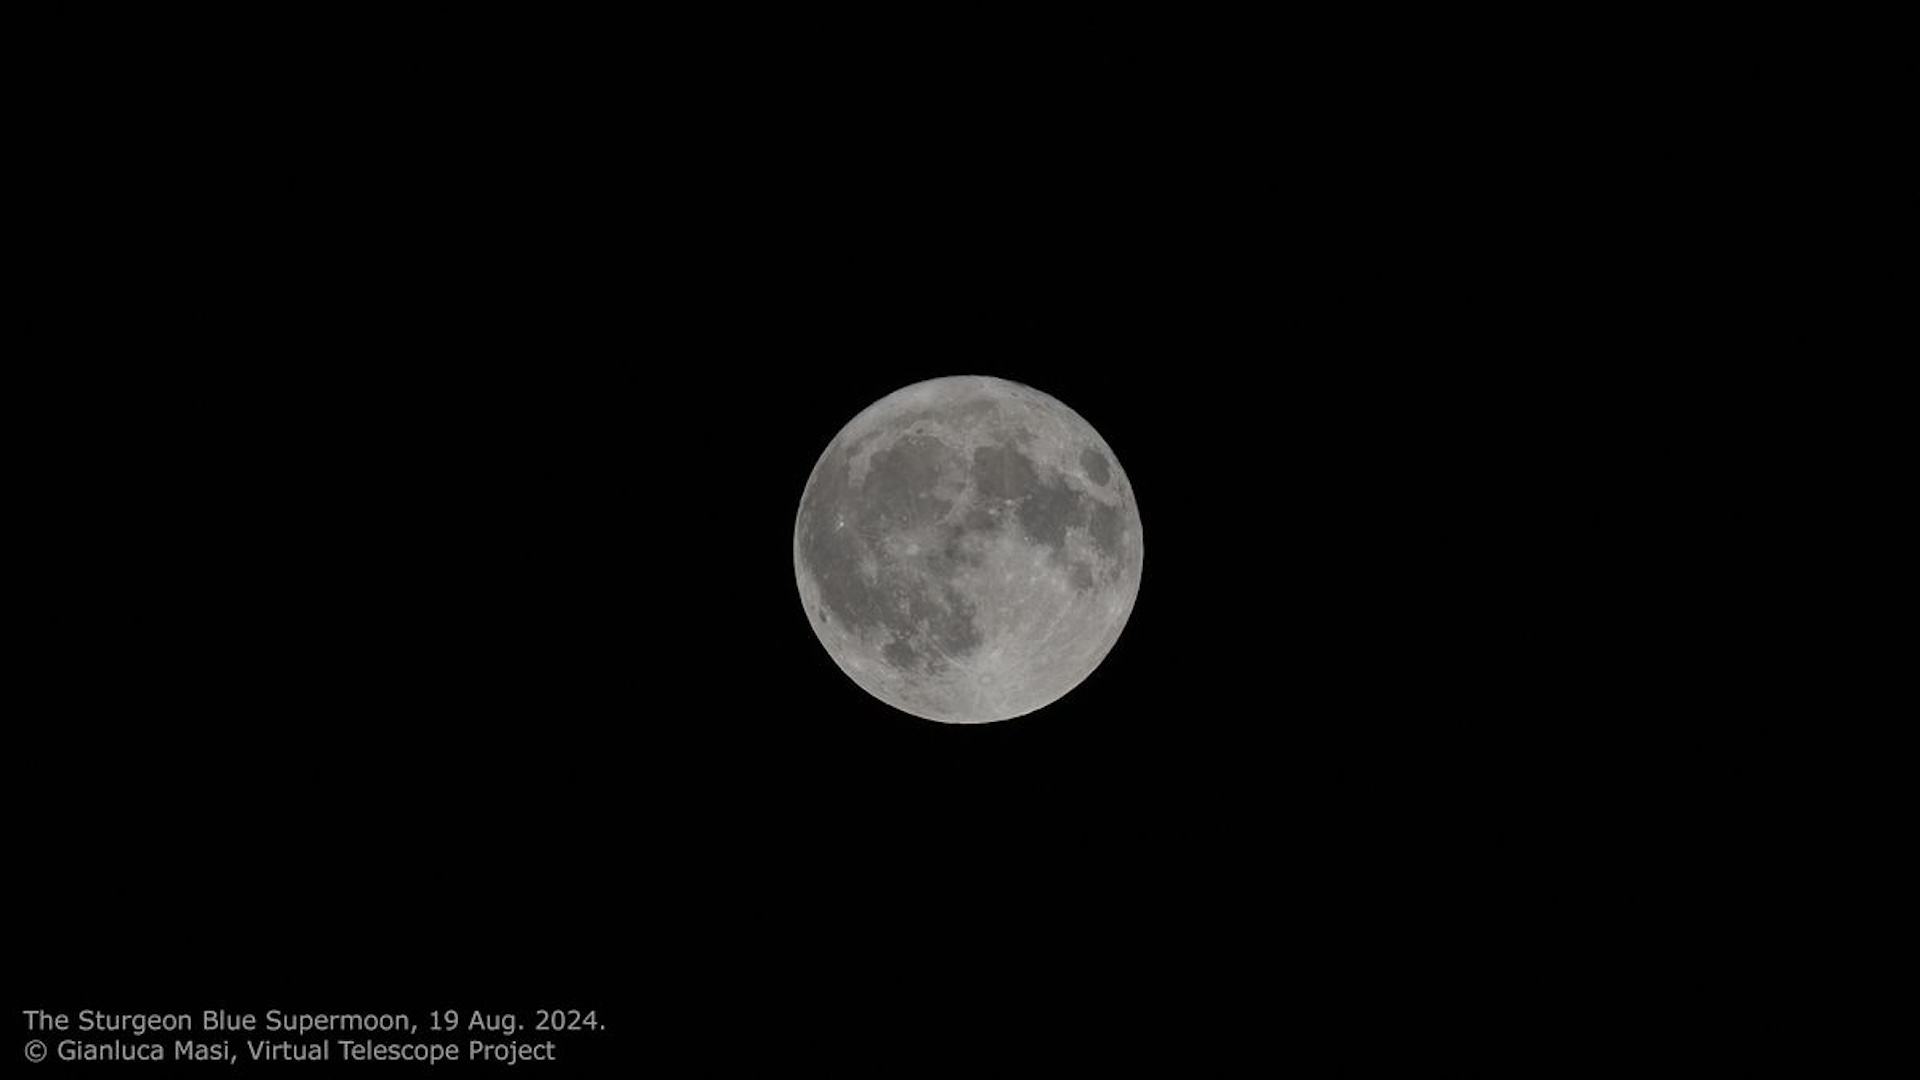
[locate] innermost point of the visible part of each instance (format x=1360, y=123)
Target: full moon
x=968, y=549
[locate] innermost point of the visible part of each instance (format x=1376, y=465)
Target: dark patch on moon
x=1001, y=472
x=979, y=519
x=1095, y=466
x=953, y=553
x=959, y=634
x=1047, y=513
x=1104, y=526
x=1082, y=577
x=900, y=483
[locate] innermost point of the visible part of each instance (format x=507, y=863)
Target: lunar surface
x=968, y=549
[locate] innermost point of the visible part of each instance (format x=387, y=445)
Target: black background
x=427, y=456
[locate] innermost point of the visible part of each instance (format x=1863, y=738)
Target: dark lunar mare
x=1048, y=512
x=899, y=654
x=900, y=484
x=1002, y=472
x=1104, y=525
x=952, y=554
x=1045, y=510
x=1095, y=466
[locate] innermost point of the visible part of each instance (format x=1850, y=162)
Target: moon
x=968, y=549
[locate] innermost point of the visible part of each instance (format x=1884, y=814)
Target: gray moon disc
x=968, y=549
